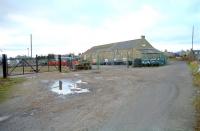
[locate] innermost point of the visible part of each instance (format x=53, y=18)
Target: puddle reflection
x=69, y=87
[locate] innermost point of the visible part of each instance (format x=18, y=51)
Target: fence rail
x=21, y=66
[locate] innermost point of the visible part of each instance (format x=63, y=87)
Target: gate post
x=36, y=60
x=4, y=62
x=127, y=62
x=59, y=61
x=98, y=62
x=48, y=62
x=23, y=66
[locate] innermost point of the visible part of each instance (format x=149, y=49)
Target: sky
x=74, y=26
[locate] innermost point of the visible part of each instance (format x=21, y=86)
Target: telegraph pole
x=192, y=35
x=31, y=44
x=28, y=51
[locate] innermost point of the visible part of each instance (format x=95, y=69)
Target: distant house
x=123, y=51
x=182, y=53
x=169, y=54
x=196, y=54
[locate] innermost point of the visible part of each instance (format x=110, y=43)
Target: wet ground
x=67, y=86
x=112, y=99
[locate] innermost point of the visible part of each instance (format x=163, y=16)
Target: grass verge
x=6, y=87
x=194, y=67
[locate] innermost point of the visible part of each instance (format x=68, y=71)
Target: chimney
x=142, y=37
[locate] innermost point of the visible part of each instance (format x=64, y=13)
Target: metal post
x=48, y=62
x=127, y=60
x=36, y=60
x=192, y=36
x=28, y=52
x=71, y=62
x=60, y=85
x=98, y=62
x=113, y=57
x=31, y=44
x=4, y=62
x=60, y=64
x=132, y=58
x=23, y=66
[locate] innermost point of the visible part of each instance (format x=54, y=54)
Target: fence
x=1, y=68
x=21, y=66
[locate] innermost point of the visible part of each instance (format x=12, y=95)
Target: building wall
x=121, y=51
x=114, y=55
x=152, y=55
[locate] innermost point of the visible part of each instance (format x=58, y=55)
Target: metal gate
x=47, y=64
x=1, y=68
x=25, y=65
x=19, y=66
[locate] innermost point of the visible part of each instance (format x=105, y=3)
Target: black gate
x=21, y=66
x=47, y=63
x=1, y=68
x=27, y=65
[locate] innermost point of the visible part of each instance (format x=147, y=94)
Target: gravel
x=120, y=99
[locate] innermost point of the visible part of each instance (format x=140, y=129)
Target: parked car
x=154, y=62
x=146, y=62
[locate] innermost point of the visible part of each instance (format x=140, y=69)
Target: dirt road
x=120, y=99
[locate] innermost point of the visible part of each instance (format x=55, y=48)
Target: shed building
x=123, y=51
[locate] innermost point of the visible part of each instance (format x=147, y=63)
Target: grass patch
x=196, y=103
x=196, y=80
x=6, y=87
x=194, y=67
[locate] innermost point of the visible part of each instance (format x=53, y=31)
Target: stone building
x=122, y=51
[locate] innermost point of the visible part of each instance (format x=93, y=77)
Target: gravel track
x=120, y=99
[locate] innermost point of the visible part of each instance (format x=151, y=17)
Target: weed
x=194, y=67
x=6, y=87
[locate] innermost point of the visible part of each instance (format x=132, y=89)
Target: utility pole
x=192, y=35
x=28, y=51
x=98, y=62
x=31, y=44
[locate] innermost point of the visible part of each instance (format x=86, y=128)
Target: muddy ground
x=120, y=99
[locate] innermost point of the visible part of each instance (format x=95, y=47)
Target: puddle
x=3, y=118
x=69, y=87
x=45, y=81
x=80, y=82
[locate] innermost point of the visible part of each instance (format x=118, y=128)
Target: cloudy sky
x=73, y=26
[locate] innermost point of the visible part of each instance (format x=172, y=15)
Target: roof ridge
x=125, y=41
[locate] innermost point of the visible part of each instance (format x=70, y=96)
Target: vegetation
x=6, y=87
x=195, y=72
x=194, y=66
